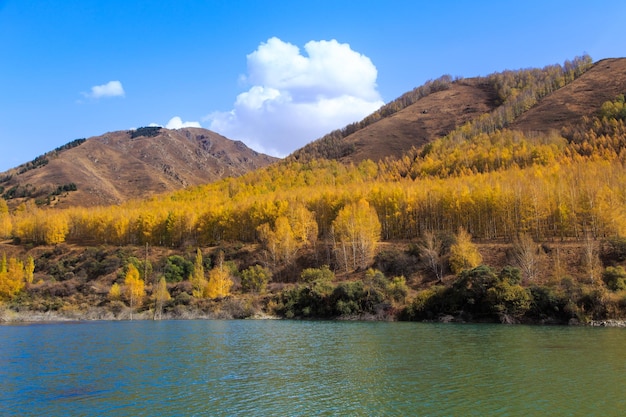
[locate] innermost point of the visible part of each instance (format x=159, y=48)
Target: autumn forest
x=485, y=223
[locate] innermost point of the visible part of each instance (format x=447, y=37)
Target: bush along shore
x=403, y=282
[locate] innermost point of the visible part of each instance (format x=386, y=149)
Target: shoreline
x=8, y=316
x=608, y=323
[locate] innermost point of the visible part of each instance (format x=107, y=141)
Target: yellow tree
x=146, y=225
x=115, y=292
x=24, y=226
x=134, y=288
x=198, y=281
x=55, y=227
x=219, y=279
x=303, y=225
x=161, y=295
x=119, y=226
x=11, y=278
x=279, y=241
x=29, y=269
x=463, y=253
x=356, y=232
x=6, y=227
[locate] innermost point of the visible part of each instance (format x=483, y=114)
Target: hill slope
x=430, y=117
x=118, y=166
x=583, y=97
x=437, y=112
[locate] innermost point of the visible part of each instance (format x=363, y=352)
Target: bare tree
x=591, y=258
x=431, y=254
x=525, y=254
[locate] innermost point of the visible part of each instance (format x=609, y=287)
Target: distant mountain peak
x=122, y=165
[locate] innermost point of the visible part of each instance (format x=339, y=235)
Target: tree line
x=496, y=186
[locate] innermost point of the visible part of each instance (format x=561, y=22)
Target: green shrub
x=142, y=266
x=397, y=289
x=593, y=303
x=470, y=290
x=429, y=303
x=255, y=278
x=148, y=131
x=546, y=304
x=614, y=278
x=310, y=275
x=348, y=298
x=306, y=301
x=482, y=292
x=177, y=268
x=508, y=300
x=615, y=109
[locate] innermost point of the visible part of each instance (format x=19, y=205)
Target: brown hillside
x=431, y=117
x=438, y=113
x=115, y=167
x=583, y=97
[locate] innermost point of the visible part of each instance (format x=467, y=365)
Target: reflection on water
x=300, y=368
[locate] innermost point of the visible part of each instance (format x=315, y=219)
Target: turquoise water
x=302, y=368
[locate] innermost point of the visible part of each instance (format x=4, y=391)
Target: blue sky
x=274, y=74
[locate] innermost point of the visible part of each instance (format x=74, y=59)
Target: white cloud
x=177, y=123
x=295, y=98
x=110, y=89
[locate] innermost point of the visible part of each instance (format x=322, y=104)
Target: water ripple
x=283, y=368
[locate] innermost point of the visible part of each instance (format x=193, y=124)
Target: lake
x=305, y=368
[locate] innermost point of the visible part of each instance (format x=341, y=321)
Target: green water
x=296, y=368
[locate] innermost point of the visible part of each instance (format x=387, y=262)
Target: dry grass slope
x=431, y=117
x=439, y=113
x=115, y=167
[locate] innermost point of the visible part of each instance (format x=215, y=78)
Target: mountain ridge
x=122, y=165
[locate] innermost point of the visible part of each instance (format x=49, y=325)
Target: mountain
x=556, y=97
x=583, y=97
x=119, y=166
